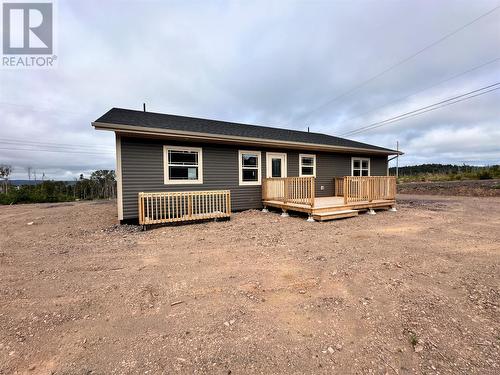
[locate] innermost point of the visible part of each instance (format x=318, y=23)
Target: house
x=250, y=166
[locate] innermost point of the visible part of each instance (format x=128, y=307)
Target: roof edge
x=132, y=129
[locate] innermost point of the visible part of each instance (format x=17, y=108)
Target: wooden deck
x=330, y=204
x=356, y=194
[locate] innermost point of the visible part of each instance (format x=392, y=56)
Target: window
x=307, y=165
x=360, y=167
x=249, y=167
x=183, y=165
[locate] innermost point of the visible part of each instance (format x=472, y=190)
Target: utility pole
x=397, y=160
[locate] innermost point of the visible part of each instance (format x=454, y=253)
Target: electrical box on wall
x=322, y=187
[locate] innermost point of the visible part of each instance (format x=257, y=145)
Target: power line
x=428, y=108
x=427, y=88
x=43, y=109
x=433, y=109
x=422, y=108
x=401, y=62
x=60, y=151
x=62, y=148
x=51, y=144
x=404, y=117
x=24, y=141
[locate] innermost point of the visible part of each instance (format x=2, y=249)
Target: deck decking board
x=330, y=204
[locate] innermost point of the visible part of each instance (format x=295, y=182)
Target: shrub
x=484, y=175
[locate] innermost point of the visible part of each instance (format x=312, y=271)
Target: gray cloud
x=258, y=62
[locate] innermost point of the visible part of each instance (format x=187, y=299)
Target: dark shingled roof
x=182, y=123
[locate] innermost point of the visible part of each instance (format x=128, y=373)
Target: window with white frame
x=360, y=167
x=307, y=165
x=249, y=167
x=183, y=165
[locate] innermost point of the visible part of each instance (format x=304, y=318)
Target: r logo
x=27, y=28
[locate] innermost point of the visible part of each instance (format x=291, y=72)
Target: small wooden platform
x=325, y=208
x=333, y=215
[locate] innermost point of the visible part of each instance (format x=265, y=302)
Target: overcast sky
x=272, y=63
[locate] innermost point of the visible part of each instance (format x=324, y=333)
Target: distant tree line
x=100, y=185
x=442, y=172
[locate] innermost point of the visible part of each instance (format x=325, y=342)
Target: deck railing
x=299, y=190
x=168, y=207
x=338, y=186
x=355, y=189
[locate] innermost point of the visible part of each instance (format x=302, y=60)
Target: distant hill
x=24, y=182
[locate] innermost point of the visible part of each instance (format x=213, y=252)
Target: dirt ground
x=469, y=188
x=410, y=292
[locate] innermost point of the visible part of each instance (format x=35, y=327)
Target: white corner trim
x=360, y=159
x=118, y=173
x=167, y=180
x=240, y=168
x=269, y=156
x=300, y=164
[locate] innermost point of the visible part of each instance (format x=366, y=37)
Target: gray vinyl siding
x=142, y=171
x=378, y=166
x=330, y=165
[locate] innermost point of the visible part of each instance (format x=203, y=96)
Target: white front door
x=275, y=164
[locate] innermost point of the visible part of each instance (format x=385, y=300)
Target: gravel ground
x=411, y=292
x=469, y=188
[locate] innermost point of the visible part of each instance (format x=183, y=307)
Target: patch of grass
x=485, y=175
x=413, y=339
x=439, y=173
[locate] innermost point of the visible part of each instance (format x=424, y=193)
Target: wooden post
x=190, y=206
x=392, y=184
x=313, y=191
x=370, y=181
x=141, y=216
x=346, y=189
x=285, y=188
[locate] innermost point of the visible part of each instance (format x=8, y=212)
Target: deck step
x=322, y=216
